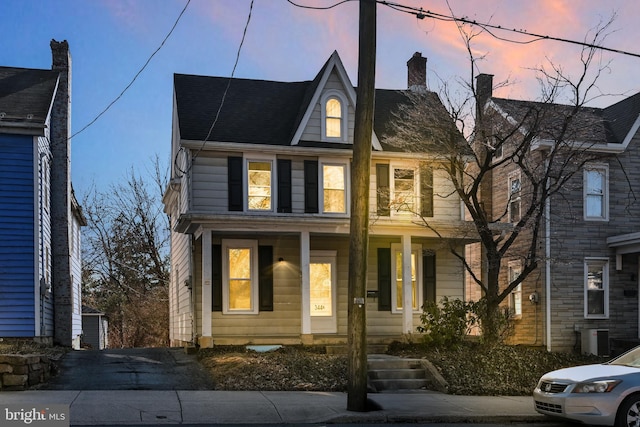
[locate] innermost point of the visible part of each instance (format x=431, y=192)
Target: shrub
x=447, y=323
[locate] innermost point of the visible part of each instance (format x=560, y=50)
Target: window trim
x=605, y=286
x=512, y=176
x=245, y=181
x=255, y=278
x=515, y=296
x=417, y=249
x=347, y=184
x=344, y=123
x=604, y=168
x=417, y=207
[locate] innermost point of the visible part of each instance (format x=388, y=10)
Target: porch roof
x=194, y=223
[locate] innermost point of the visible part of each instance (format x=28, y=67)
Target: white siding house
x=260, y=206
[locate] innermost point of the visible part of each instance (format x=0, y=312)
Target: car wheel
x=629, y=412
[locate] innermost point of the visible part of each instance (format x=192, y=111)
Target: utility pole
x=359, y=231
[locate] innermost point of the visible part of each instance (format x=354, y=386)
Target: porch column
x=407, y=292
x=205, y=340
x=305, y=282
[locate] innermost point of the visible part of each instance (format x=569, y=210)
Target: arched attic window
x=334, y=120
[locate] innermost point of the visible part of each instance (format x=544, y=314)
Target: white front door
x=322, y=301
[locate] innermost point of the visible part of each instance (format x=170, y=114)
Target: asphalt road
x=130, y=369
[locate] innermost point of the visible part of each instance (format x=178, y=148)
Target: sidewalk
x=254, y=407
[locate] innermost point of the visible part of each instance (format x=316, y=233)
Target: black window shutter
x=426, y=191
x=216, y=278
x=382, y=179
x=311, y=186
x=265, y=278
x=384, y=279
x=234, y=168
x=284, y=185
x=429, y=277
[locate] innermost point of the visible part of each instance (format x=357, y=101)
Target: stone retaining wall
x=21, y=371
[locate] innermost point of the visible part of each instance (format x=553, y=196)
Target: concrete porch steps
x=391, y=373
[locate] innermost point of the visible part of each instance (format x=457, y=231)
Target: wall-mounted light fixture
x=280, y=259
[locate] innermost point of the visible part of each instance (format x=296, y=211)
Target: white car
x=605, y=394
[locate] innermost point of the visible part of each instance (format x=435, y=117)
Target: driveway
x=130, y=369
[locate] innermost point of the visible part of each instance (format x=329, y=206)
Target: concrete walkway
x=136, y=407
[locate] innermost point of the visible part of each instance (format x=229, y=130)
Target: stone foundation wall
x=21, y=371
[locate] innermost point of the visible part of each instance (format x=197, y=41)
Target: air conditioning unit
x=595, y=341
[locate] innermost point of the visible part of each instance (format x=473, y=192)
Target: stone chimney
x=484, y=88
x=61, y=195
x=417, y=72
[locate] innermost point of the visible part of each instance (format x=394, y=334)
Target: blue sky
x=110, y=40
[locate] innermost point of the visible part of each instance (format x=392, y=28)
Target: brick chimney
x=61, y=195
x=417, y=72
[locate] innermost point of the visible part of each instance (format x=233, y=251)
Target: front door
x=322, y=278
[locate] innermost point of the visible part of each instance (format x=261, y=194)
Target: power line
x=420, y=13
x=224, y=96
x=318, y=7
x=137, y=74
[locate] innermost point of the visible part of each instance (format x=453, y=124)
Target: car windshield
x=630, y=358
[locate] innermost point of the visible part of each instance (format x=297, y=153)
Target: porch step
x=390, y=373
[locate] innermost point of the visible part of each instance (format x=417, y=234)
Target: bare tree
x=546, y=141
x=126, y=267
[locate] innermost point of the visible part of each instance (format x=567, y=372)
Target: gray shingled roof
x=590, y=125
x=621, y=116
x=26, y=95
x=264, y=112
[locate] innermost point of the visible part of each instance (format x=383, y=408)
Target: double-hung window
x=404, y=190
x=515, y=191
x=334, y=188
x=596, y=194
x=240, y=276
x=416, y=278
x=515, y=297
x=596, y=288
x=259, y=185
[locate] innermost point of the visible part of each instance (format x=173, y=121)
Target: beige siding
x=209, y=182
x=446, y=204
x=297, y=186
x=285, y=319
x=180, y=316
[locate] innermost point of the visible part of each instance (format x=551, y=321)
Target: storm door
x=323, y=309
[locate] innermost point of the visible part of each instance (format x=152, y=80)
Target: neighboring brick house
x=584, y=295
x=259, y=209
x=40, y=218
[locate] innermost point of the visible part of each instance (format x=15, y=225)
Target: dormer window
x=334, y=117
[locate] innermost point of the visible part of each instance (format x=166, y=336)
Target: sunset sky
x=110, y=40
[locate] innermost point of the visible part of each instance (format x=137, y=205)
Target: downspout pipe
x=547, y=273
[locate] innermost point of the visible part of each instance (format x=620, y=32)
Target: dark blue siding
x=17, y=252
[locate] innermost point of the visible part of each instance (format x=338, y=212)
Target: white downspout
x=547, y=274
x=407, y=291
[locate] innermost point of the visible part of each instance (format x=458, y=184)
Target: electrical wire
x=318, y=7
x=224, y=96
x=420, y=13
x=136, y=75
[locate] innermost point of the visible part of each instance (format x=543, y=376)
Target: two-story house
x=259, y=205
x=584, y=296
x=40, y=218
